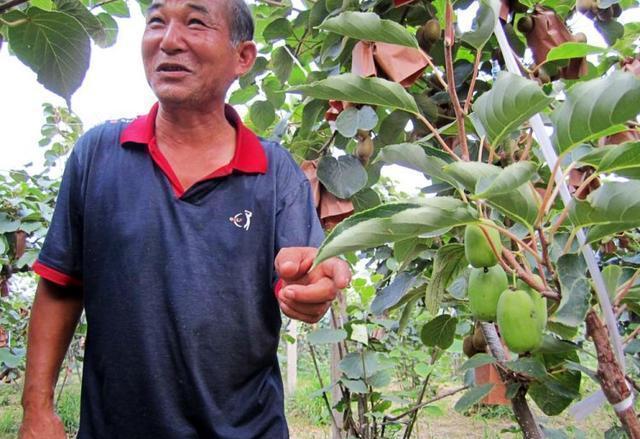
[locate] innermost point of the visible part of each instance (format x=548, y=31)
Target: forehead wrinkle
x=200, y=8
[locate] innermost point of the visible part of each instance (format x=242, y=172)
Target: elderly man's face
x=187, y=52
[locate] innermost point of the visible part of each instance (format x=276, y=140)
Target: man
x=167, y=230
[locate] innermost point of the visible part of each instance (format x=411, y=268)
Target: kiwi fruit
x=525, y=24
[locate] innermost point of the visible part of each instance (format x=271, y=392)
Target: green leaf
x=392, y=127
x=355, y=386
x=595, y=108
x=90, y=22
x=482, y=27
x=117, y=8
x=358, y=365
x=9, y=359
x=281, y=64
x=623, y=160
x=510, y=178
x=520, y=204
x=558, y=389
x=368, y=26
x=391, y=294
x=60, y=58
x=477, y=360
x=353, y=88
x=439, y=331
x=110, y=27
x=393, y=222
x=575, y=288
x=325, y=335
x=412, y=156
x=612, y=208
x=472, y=396
x=310, y=115
x=243, y=95
x=352, y=119
x=447, y=265
x=278, y=29
x=7, y=224
x=572, y=49
x=511, y=101
x=528, y=366
x=258, y=68
x=262, y=114
x=343, y=177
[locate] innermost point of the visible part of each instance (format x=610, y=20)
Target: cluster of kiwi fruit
x=521, y=312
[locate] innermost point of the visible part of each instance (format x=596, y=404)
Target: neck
x=193, y=128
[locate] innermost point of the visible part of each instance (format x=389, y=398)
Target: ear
x=247, y=53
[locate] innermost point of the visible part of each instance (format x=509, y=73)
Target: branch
x=472, y=84
x=526, y=276
x=626, y=287
x=438, y=137
x=521, y=410
x=392, y=419
x=612, y=380
x=10, y=4
x=324, y=394
x=448, y=57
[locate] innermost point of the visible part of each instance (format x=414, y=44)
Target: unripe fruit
x=479, y=341
x=424, y=43
x=467, y=347
x=539, y=300
x=519, y=321
x=364, y=150
x=477, y=248
x=579, y=37
x=525, y=24
x=485, y=287
x=432, y=30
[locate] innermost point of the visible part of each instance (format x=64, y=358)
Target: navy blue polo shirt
x=183, y=324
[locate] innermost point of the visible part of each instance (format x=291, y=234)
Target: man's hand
x=306, y=295
x=41, y=425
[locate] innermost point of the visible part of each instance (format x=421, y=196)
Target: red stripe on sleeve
x=55, y=276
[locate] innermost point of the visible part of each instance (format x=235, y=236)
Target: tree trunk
x=524, y=416
x=612, y=380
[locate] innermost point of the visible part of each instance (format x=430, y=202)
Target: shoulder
x=102, y=137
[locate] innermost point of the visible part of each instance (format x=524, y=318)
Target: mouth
x=172, y=67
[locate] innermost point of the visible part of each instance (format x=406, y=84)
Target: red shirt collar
x=249, y=155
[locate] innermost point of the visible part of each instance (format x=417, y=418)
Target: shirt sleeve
x=60, y=260
x=297, y=223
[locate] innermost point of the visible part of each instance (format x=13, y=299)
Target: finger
x=290, y=312
x=311, y=309
x=292, y=263
x=321, y=291
x=336, y=269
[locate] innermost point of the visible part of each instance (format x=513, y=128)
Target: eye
x=196, y=21
x=154, y=20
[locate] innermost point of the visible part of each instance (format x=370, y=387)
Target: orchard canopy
x=482, y=111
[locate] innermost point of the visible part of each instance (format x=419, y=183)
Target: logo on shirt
x=242, y=219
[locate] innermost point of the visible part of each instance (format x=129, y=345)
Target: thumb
x=294, y=262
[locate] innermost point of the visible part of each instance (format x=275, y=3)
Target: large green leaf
x=510, y=178
x=558, y=389
x=353, y=88
x=412, y=156
x=482, y=27
x=343, y=177
x=576, y=291
x=326, y=336
x=612, y=208
x=353, y=119
x=55, y=46
x=519, y=204
x=479, y=359
x=394, y=222
x=472, y=396
x=390, y=295
x=90, y=22
x=623, y=160
x=595, y=108
x=511, y=101
x=439, y=331
x=571, y=49
x=368, y=26
x=447, y=265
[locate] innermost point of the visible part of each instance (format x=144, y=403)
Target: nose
x=172, y=39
